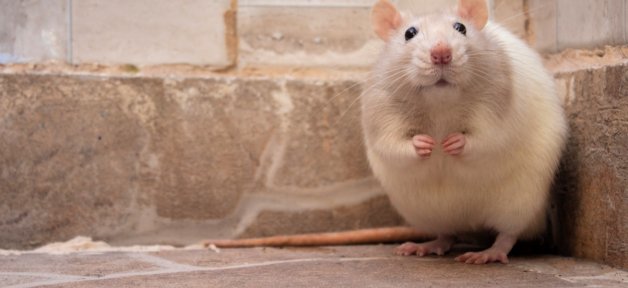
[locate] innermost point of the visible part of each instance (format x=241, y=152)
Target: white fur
x=502, y=179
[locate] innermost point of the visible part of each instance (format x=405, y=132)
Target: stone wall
x=256, y=33
x=592, y=187
x=149, y=159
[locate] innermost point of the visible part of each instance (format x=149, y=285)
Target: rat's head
x=433, y=50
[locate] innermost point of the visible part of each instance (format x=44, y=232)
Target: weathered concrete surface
x=70, y=161
x=153, y=32
x=267, y=33
x=176, y=160
x=304, y=267
x=550, y=25
x=33, y=30
x=305, y=36
x=597, y=23
x=324, y=119
x=541, y=25
x=210, y=137
x=376, y=212
x=593, y=181
x=512, y=14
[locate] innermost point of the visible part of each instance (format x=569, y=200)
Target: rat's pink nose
x=441, y=54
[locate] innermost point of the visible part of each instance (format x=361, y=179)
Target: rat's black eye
x=410, y=33
x=458, y=26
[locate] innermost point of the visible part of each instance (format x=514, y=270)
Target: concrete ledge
x=176, y=160
x=593, y=182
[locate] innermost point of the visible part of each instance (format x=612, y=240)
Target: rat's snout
x=441, y=54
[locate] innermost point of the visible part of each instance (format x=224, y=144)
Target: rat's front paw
x=454, y=144
x=423, y=145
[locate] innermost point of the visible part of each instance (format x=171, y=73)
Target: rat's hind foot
x=440, y=246
x=497, y=253
x=406, y=249
x=483, y=257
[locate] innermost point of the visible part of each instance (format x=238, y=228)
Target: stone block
x=512, y=14
x=542, y=26
x=185, y=149
x=209, y=143
x=324, y=132
x=149, y=32
x=305, y=36
x=71, y=156
x=307, y=3
x=425, y=6
x=138, y=159
x=534, y=21
x=590, y=24
x=376, y=212
x=33, y=30
x=593, y=179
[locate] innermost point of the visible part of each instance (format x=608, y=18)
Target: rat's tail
x=365, y=236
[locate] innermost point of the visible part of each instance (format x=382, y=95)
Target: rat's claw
x=406, y=249
x=483, y=257
x=424, y=152
x=423, y=145
x=423, y=138
x=454, y=143
x=440, y=246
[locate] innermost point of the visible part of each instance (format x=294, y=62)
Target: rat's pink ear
x=385, y=19
x=474, y=11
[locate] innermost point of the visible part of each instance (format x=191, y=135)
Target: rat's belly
x=441, y=196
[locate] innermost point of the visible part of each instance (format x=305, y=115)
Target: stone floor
x=347, y=266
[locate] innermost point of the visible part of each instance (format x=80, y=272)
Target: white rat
x=463, y=128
